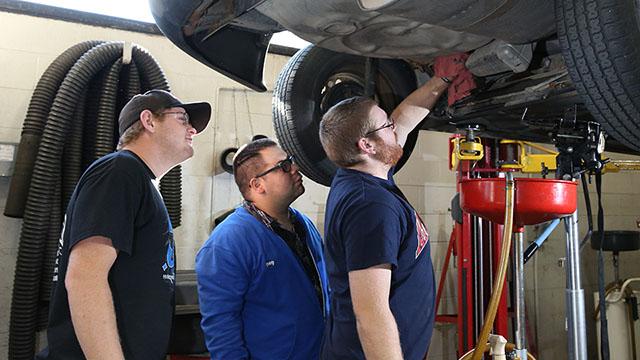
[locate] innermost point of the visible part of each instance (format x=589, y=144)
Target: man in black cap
x=113, y=294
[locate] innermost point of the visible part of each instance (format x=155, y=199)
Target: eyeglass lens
x=183, y=117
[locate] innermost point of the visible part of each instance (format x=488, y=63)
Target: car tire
x=226, y=159
x=315, y=79
x=600, y=40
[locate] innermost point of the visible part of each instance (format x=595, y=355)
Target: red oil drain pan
x=536, y=200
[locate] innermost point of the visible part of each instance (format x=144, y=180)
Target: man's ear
x=257, y=185
x=366, y=146
x=146, y=118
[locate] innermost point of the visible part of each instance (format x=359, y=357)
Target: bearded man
x=376, y=246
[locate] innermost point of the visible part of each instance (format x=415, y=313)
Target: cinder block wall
x=28, y=45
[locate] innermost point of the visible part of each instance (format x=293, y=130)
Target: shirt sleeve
x=223, y=280
x=371, y=236
x=106, y=205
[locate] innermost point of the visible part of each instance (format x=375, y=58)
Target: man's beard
x=297, y=191
x=300, y=191
x=388, y=154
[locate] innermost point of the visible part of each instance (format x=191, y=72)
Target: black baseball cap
x=157, y=100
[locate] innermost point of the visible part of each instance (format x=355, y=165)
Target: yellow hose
x=502, y=270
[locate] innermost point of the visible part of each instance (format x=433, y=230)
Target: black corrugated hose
x=133, y=82
x=90, y=121
x=170, y=188
x=71, y=120
x=33, y=125
x=106, y=110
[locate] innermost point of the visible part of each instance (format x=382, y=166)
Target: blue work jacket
x=255, y=298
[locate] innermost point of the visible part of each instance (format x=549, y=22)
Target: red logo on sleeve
x=423, y=235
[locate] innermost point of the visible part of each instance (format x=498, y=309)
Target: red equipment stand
x=476, y=243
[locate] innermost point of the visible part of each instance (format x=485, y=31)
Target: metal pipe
x=473, y=230
x=621, y=291
x=490, y=232
x=481, y=251
x=481, y=344
x=576, y=325
x=478, y=294
x=536, y=301
x=518, y=255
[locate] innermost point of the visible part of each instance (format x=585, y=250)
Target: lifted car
x=542, y=66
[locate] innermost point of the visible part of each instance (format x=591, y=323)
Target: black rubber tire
x=616, y=240
x=600, y=40
x=224, y=159
x=299, y=102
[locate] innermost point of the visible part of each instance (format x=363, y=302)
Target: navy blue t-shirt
x=369, y=222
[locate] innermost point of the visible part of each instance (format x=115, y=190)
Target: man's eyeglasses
x=390, y=123
x=285, y=165
x=183, y=117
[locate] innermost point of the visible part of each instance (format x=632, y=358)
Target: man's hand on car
x=451, y=69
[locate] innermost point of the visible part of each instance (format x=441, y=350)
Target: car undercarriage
x=541, y=66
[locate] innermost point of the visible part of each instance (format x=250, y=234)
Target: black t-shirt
x=117, y=198
x=369, y=222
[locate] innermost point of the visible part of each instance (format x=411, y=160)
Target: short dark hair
x=248, y=162
x=341, y=128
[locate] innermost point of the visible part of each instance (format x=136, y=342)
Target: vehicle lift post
x=472, y=238
x=473, y=159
